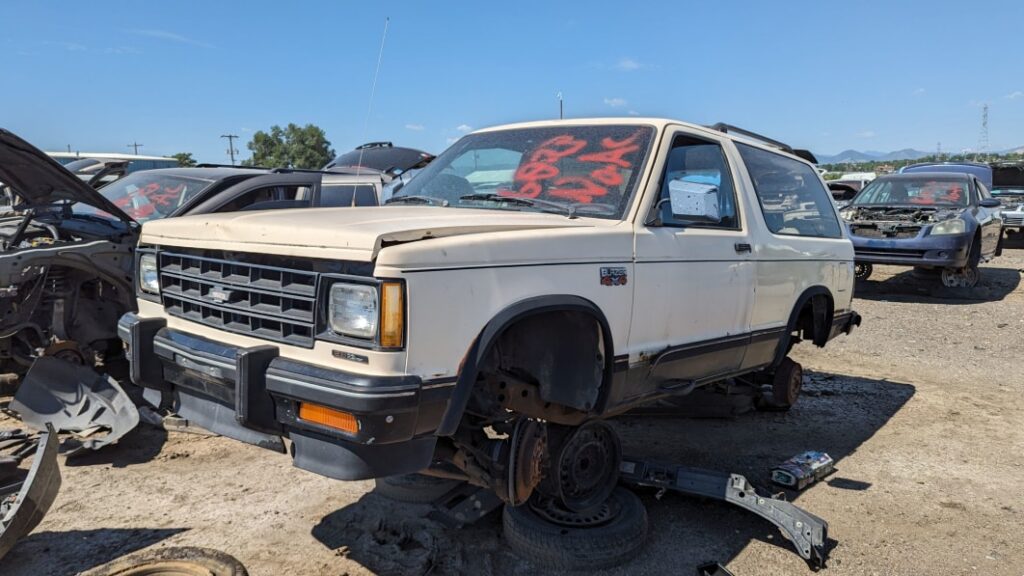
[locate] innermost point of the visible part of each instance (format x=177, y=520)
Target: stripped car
x=66, y=272
x=943, y=220
x=1008, y=187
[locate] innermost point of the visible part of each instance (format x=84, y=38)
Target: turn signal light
x=328, y=417
x=392, y=315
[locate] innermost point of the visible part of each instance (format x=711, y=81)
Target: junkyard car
x=531, y=281
x=66, y=271
x=929, y=220
x=1008, y=188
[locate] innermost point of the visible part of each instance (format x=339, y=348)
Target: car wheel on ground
x=607, y=535
x=413, y=488
x=183, y=561
x=862, y=270
x=969, y=275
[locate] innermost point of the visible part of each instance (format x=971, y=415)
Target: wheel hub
x=550, y=510
x=586, y=468
x=962, y=278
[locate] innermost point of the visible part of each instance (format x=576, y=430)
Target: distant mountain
x=871, y=156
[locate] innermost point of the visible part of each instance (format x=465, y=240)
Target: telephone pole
x=560, y=108
x=231, y=146
x=983, y=137
x=135, y=146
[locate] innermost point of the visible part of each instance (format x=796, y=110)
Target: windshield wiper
x=569, y=209
x=416, y=199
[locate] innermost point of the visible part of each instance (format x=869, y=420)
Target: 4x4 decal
x=614, y=276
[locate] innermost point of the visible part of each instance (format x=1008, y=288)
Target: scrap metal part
x=23, y=505
x=74, y=399
x=807, y=532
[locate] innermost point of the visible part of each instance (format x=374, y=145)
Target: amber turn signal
x=392, y=315
x=328, y=417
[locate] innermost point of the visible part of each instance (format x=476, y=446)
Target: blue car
x=945, y=221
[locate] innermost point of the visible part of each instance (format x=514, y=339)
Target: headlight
x=352, y=310
x=149, y=278
x=951, y=226
x=846, y=213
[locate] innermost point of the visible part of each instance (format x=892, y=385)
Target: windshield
x=149, y=196
x=83, y=164
x=585, y=170
x=913, y=192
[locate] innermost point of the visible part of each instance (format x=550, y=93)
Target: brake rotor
x=528, y=445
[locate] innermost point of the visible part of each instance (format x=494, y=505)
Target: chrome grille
x=1014, y=220
x=269, y=302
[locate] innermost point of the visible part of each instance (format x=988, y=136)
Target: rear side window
x=792, y=198
x=348, y=195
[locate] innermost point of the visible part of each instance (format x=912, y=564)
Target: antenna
x=983, y=138
x=136, y=146
x=373, y=91
x=231, y=146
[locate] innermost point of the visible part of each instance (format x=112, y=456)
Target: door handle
x=741, y=247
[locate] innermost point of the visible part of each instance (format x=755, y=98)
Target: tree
x=291, y=147
x=185, y=159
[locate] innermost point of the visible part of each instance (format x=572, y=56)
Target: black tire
x=413, y=488
x=862, y=270
x=179, y=561
x=564, y=547
x=787, y=382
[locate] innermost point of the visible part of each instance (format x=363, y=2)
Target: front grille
x=1014, y=220
x=872, y=231
x=269, y=302
x=889, y=253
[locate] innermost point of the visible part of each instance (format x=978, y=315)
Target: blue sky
x=174, y=76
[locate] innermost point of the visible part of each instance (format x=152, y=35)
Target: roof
x=922, y=164
x=657, y=123
x=926, y=176
x=106, y=156
x=207, y=173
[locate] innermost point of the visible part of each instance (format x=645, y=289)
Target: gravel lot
x=922, y=408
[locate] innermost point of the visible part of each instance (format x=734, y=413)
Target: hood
x=346, y=233
x=39, y=179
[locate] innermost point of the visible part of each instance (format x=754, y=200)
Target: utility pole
x=561, y=113
x=231, y=146
x=983, y=138
x=135, y=146
x=938, y=151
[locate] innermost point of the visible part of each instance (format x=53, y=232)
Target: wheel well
x=537, y=347
x=560, y=352
x=811, y=319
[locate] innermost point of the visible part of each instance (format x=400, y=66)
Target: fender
x=822, y=326
x=484, y=343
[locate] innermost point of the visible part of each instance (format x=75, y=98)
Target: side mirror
x=990, y=203
x=694, y=201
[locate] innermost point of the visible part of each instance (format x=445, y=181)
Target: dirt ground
x=922, y=408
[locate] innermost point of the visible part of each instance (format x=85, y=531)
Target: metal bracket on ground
x=464, y=504
x=807, y=532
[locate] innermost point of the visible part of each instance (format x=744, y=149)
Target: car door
x=694, y=277
x=989, y=220
x=799, y=246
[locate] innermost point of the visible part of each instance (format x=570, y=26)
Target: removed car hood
x=39, y=180
x=352, y=233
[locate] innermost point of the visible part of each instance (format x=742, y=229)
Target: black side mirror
x=990, y=203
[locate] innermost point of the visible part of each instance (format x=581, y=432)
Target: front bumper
x=929, y=251
x=253, y=395
x=1013, y=220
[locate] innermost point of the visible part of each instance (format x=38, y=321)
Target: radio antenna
x=373, y=91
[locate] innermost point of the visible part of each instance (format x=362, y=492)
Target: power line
x=136, y=146
x=231, y=146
